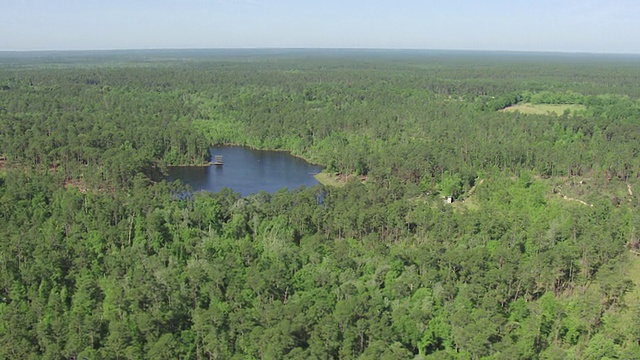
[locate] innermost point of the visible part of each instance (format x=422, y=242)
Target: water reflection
x=248, y=171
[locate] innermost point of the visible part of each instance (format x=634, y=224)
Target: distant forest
x=456, y=226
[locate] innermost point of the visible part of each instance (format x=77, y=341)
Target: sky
x=592, y=26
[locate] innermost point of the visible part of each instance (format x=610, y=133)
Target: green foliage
x=100, y=259
x=450, y=185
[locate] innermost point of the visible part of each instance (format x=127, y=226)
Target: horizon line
x=316, y=48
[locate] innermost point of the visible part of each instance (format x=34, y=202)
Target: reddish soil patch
x=78, y=184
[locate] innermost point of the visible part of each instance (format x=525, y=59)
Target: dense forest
x=533, y=256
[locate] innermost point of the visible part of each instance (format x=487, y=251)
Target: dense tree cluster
x=119, y=123
x=360, y=271
x=101, y=259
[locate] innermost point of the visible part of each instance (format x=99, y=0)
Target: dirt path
x=576, y=200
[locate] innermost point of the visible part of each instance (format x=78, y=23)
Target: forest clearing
x=543, y=109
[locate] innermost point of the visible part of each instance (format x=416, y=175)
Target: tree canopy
x=534, y=259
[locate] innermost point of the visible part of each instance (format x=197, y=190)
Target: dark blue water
x=248, y=171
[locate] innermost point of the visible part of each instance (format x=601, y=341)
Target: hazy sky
x=529, y=25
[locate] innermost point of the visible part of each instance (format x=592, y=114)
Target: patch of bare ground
x=77, y=184
x=337, y=180
x=588, y=190
x=576, y=200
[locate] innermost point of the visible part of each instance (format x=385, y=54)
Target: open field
x=543, y=109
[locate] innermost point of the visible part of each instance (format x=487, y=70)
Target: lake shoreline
x=252, y=147
x=191, y=165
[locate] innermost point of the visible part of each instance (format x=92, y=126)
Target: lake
x=248, y=171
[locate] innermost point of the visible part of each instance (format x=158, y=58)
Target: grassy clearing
x=337, y=180
x=328, y=179
x=631, y=299
x=592, y=190
x=468, y=201
x=467, y=204
x=543, y=109
x=633, y=272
